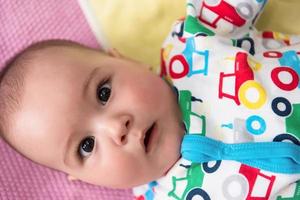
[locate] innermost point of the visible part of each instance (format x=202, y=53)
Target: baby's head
x=97, y=116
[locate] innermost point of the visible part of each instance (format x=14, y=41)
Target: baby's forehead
x=51, y=51
x=51, y=84
x=52, y=60
x=52, y=54
x=42, y=82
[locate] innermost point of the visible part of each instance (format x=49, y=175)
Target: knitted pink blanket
x=21, y=23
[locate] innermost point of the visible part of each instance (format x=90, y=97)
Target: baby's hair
x=12, y=79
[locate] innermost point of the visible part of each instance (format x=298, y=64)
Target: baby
x=99, y=117
x=107, y=120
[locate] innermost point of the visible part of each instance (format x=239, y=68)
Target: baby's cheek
x=158, y=91
x=125, y=169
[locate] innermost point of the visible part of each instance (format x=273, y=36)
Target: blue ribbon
x=278, y=157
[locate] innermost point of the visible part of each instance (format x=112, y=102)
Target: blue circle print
x=253, y=130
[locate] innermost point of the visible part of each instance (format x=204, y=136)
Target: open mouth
x=148, y=136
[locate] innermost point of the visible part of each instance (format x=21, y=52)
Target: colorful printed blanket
x=239, y=92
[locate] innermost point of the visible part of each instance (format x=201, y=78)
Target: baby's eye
x=86, y=146
x=103, y=93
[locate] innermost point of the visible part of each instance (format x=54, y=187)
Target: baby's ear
x=114, y=53
x=72, y=178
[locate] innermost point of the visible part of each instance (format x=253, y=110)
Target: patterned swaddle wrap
x=236, y=86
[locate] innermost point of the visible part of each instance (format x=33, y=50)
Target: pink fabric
x=21, y=179
x=21, y=23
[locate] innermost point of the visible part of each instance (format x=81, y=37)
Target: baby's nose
x=120, y=129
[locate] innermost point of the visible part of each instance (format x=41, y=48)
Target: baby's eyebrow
x=71, y=147
x=88, y=80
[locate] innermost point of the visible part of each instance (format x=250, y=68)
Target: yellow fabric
x=138, y=27
x=281, y=16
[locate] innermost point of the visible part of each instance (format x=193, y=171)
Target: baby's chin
x=147, y=179
x=160, y=175
x=174, y=157
x=170, y=167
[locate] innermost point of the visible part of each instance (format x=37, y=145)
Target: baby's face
x=102, y=119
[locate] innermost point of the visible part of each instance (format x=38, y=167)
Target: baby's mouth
x=148, y=136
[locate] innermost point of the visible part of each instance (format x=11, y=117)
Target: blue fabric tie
x=278, y=157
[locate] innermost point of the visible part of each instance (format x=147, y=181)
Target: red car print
x=248, y=180
x=252, y=175
x=225, y=11
x=244, y=80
